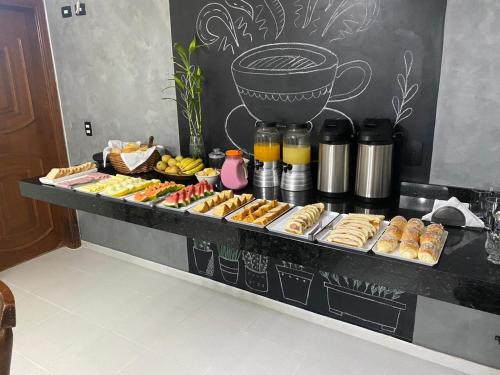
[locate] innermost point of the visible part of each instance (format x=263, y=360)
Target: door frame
x=71, y=236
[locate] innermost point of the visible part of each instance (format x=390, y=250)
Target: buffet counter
x=463, y=276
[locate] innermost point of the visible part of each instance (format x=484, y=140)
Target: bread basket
x=117, y=162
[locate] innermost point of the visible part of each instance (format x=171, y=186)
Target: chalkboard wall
x=307, y=60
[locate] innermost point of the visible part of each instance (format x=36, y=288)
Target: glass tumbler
x=492, y=222
x=478, y=202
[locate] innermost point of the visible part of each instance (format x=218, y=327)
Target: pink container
x=234, y=173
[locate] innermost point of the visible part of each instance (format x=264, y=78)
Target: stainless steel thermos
x=334, y=157
x=375, y=156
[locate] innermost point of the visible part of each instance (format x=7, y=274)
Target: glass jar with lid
x=267, y=143
x=216, y=158
x=297, y=145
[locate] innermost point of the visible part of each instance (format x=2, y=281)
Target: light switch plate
x=66, y=11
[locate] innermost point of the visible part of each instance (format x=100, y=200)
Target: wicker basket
x=117, y=162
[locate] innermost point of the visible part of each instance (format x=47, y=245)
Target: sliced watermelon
x=172, y=201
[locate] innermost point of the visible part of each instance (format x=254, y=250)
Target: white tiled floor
x=81, y=312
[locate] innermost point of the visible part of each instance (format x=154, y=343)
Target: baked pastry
x=428, y=253
x=63, y=172
x=346, y=239
x=408, y=249
x=430, y=238
x=304, y=218
x=387, y=244
x=435, y=228
x=411, y=234
x=394, y=231
x=398, y=221
x=355, y=229
x=416, y=223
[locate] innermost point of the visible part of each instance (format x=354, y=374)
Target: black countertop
x=463, y=275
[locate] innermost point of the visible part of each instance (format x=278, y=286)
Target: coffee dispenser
x=375, y=154
x=266, y=150
x=335, y=157
x=296, y=158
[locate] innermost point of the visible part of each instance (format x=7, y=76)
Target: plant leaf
x=402, y=83
x=192, y=46
x=405, y=114
x=395, y=104
x=411, y=92
x=408, y=57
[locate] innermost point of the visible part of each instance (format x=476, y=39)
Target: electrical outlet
x=80, y=11
x=88, y=128
x=66, y=11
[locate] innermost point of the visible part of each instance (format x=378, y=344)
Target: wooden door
x=31, y=135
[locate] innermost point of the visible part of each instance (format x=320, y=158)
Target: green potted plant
x=188, y=82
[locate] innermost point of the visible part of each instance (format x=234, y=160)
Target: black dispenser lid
x=376, y=131
x=336, y=132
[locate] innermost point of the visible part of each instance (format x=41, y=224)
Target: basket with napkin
x=132, y=157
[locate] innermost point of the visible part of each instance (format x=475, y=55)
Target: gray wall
x=467, y=135
x=111, y=66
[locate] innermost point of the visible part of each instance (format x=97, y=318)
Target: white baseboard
x=417, y=351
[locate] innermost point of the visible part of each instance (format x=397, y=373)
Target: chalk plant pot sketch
x=292, y=82
x=229, y=264
x=256, y=277
x=382, y=312
x=295, y=282
x=203, y=258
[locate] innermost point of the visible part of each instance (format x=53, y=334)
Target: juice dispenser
x=296, y=158
x=266, y=151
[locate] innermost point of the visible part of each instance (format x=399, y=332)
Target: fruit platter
x=187, y=197
x=152, y=193
x=179, y=167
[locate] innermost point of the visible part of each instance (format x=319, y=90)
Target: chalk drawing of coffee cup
x=293, y=82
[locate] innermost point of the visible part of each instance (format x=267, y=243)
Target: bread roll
x=387, y=244
x=435, y=228
x=394, y=231
x=411, y=234
x=408, y=249
x=428, y=253
x=430, y=238
x=416, y=223
x=398, y=221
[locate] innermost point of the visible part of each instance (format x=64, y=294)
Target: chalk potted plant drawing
x=229, y=263
x=367, y=302
x=256, y=277
x=203, y=257
x=295, y=282
x=188, y=81
x=408, y=91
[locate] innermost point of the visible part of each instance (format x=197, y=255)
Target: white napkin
x=131, y=159
x=471, y=220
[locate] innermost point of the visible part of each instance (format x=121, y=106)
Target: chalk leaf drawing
x=374, y=304
x=217, y=13
x=256, y=277
x=295, y=282
x=203, y=257
x=348, y=17
x=306, y=15
x=243, y=6
x=292, y=82
x=408, y=91
x=229, y=263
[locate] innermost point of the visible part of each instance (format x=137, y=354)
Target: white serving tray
x=161, y=206
x=50, y=181
x=130, y=198
x=321, y=237
x=290, y=206
x=396, y=255
x=278, y=226
x=210, y=213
